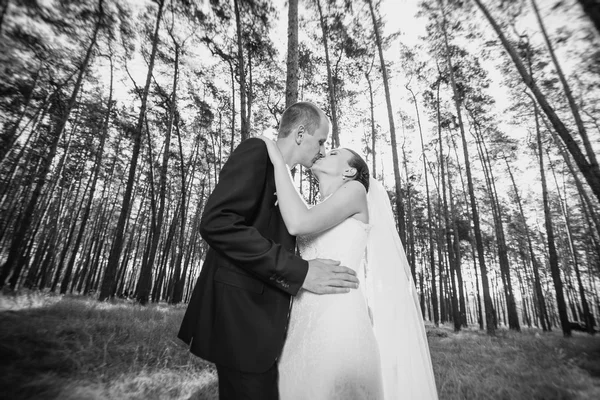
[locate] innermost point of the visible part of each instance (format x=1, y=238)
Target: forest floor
x=54, y=347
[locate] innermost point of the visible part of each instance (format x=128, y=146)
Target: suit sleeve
x=226, y=221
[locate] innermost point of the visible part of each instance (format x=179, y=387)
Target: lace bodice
x=345, y=242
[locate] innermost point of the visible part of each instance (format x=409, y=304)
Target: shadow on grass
x=77, y=348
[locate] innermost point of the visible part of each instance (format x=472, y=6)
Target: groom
x=238, y=315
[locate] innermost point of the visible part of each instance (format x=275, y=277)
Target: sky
x=398, y=16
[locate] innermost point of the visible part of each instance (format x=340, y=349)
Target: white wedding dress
x=369, y=343
x=330, y=352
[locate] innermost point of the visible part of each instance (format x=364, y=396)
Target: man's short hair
x=301, y=113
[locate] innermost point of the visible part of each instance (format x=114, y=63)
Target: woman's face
x=335, y=163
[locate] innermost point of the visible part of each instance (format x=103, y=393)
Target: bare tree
x=553, y=256
x=388, y=99
x=291, y=85
x=245, y=128
x=335, y=138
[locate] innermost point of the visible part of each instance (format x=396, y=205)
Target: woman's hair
x=362, y=169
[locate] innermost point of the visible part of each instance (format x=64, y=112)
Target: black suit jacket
x=239, y=310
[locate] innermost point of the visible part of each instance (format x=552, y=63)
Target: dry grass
x=526, y=365
x=72, y=348
x=77, y=348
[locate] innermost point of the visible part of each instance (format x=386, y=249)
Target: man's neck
x=286, y=147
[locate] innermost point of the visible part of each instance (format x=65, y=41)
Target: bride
x=369, y=343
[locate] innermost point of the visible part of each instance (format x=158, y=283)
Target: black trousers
x=236, y=385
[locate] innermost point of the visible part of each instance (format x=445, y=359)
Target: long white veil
x=394, y=304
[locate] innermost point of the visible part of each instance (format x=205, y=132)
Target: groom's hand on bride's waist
x=328, y=277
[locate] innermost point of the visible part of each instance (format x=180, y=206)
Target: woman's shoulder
x=352, y=196
x=354, y=188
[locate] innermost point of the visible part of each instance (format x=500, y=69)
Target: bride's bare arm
x=299, y=219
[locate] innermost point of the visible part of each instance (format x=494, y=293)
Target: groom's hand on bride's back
x=328, y=276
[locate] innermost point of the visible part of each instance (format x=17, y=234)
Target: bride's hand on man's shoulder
x=272, y=148
x=269, y=142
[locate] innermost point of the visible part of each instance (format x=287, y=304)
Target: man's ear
x=300, y=132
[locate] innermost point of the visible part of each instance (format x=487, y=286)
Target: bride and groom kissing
x=339, y=320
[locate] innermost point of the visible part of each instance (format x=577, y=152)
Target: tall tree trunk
x=159, y=283
x=451, y=256
x=249, y=92
x=34, y=273
x=479, y=307
x=554, y=268
x=152, y=224
x=568, y=94
x=104, y=209
x=144, y=284
x=291, y=84
x=20, y=270
x=109, y=282
x=97, y=167
x=78, y=206
x=524, y=292
x=457, y=265
x=45, y=268
x=335, y=138
x=471, y=238
x=372, y=121
x=588, y=318
x=441, y=261
x=429, y=211
x=539, y=295
x=388, y=100
x=232, y=73
x=513, y=316
x=179, y=275
x=409, y=228
x=194, y=239
x=592, y=9
x=245, y=128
